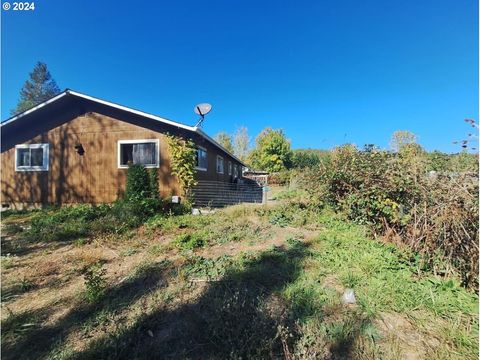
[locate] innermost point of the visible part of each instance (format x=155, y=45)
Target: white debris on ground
x=348, y=297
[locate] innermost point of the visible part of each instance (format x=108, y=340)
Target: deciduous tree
x=241, y=143
x=402, y=138
x=272, y=151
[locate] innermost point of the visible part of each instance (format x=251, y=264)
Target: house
x=75, y=148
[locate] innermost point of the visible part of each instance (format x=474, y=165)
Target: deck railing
x=219, y=194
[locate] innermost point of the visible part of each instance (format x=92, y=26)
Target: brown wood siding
x=211, y=173
x=93, y=177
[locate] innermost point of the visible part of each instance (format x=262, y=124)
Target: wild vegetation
x=427, y=201
x=435, y=214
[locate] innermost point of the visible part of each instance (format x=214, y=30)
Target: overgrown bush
x=138, y=183
x=140, y=202
x=280, y=178
x=142, y=183
x=73, y=222
x=66, y=223
x=396, y=196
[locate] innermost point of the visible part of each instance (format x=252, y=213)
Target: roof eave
x=36, y=107
x=123, y=108
x=207, y=137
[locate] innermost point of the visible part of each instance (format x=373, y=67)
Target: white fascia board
x=133, y=111
x=124, y=108
x=100, y=101
x=55, y=98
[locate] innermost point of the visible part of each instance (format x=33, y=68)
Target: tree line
x=272, y=152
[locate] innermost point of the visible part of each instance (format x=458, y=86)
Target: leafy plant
x=95, y=283
x=191, y=241
x=225, y=140
x=138, y=183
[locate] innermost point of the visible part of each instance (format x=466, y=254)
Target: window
x=229, y=168
x=144, y=152
x=202, y=162
x=235, y=171
x=31, y=157
x=219, y=164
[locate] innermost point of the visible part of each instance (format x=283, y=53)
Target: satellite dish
x=202, y=109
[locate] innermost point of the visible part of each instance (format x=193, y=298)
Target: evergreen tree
x=37, y=89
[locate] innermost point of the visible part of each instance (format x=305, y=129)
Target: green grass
x=384, y=276
x=257, y=304
x=385, y=280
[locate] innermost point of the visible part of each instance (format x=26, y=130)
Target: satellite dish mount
x=202, y=110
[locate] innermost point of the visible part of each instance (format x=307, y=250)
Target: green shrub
x=95, y=283
x=153, y=183
x=191, y=241
x=138, y=183
x=292, y=213
x=197, y=266
x=73, y=222
x=65, y=223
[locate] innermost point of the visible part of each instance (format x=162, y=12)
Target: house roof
x=75, y=94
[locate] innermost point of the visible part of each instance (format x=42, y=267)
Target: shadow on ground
x=33, y=342
x=239, y=316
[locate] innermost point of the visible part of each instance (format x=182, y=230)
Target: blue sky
x=327, y=72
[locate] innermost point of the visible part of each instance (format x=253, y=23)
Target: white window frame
x=139, y=141
x=230, y=165
x=223, y=165
x=206, y=152
x=46, y=158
